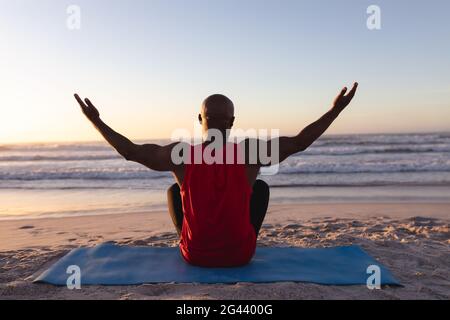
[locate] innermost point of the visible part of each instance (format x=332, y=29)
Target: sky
x=148, y=65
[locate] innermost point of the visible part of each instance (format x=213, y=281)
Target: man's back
x=216, y=203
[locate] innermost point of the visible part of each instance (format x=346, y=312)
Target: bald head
x=217, y=112
x=218, y=104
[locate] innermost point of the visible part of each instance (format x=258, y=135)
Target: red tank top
x=216, y=228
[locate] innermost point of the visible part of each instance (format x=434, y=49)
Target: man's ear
x=200, y=118
x=231, y=122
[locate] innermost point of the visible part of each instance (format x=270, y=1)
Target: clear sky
x=147, y=65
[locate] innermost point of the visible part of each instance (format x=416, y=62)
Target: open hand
x=88, y=108
x=342, y=100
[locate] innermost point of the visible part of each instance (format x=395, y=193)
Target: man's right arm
x=153, y=156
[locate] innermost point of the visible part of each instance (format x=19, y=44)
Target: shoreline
x=62, y=203
x=436, y=211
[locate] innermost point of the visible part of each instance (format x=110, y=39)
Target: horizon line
x=168, y=138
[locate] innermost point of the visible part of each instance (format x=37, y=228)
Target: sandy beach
x=411, y=239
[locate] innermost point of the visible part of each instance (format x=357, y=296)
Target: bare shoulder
x=161, y=158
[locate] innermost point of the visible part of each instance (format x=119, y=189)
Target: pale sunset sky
x=148, y=65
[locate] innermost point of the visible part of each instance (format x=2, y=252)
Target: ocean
x=65, y=179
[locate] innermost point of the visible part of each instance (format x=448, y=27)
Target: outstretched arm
x=152, y=156
x=300, y=142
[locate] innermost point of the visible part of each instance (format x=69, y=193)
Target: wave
x=283, y=171
x=54, y=147
x=357, y=142
x=366, y=184
x=350, y=139
x=313, y=151
x=29, y=176
x=16, y=187
x=60, y=158
x=336, y=151
x=313, y=184
x=362, y=169
x=68, y=146
x=413, y=138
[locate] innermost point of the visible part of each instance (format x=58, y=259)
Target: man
x=217, y=208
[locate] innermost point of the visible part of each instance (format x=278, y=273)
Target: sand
x=411, y=239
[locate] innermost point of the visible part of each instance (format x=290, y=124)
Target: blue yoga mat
x=110, y=264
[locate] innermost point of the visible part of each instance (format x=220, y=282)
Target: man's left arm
x=291, y=145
